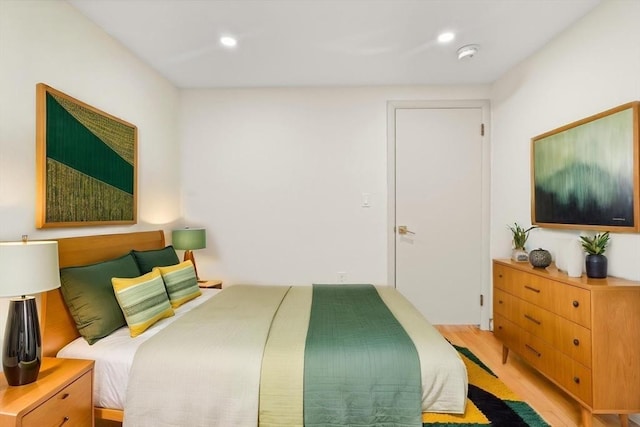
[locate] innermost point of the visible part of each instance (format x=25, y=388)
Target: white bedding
x=114, y=354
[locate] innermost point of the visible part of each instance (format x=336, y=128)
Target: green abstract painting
x=86, y=164
x=586, y=174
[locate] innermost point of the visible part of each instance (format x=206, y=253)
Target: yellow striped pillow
x=143, y=301
x=181, y=283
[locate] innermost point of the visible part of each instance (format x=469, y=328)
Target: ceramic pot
x=596, y=266
x=540, y=258
x=519, y=255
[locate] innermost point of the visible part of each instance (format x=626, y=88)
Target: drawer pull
x=576, y=342
x=576, y=380
x=499, y=301
x=537, y=291
x=64, y=396
x=534, y=320
x=576, y=304
x=64, y=421
x=534, y=350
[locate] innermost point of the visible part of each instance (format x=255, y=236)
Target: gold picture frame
x=585, y=175
x=85, y=164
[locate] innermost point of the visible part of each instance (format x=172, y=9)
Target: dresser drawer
x=566, y=372
x=567, y=301
x=507, y=332
x=562, y=334
x=505, y=304
x=70, y=407
x=503, y=277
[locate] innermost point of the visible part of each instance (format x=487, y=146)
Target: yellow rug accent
x=490, y=402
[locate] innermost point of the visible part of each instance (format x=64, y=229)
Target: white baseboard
x=635, y=418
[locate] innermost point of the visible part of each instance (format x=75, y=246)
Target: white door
x=439, y=201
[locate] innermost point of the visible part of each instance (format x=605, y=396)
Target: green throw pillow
x=155, y=258
x=88, y=293
x=181, y=283
x=143, y=301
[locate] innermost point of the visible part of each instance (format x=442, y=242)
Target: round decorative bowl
x=540, y=258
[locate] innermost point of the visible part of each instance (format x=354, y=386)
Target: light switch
x=366, y=203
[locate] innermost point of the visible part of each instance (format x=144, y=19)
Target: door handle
x=402, y=229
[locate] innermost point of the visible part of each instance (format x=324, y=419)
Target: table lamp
x=26, y=268
x=188, y=239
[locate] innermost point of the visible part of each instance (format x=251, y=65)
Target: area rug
x=490, y=402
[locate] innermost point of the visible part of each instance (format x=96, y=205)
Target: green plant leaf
x=595, y=245
x=520, y=235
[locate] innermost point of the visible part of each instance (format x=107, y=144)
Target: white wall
x=50, y=42
x=591, y=67
x=277, y=175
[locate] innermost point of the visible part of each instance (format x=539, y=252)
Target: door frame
x=484, y=106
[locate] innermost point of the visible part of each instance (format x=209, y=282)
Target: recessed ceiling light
x=228, y=41
x=468, y=51
x=446, y=37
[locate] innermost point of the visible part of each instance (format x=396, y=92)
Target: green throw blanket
x=360, y=366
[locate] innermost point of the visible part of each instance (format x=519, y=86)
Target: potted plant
x=520, y=236
x=596, y=262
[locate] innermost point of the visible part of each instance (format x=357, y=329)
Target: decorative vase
x=574, y=258
x=519, y=255
x=596, y=266
x=540, y=258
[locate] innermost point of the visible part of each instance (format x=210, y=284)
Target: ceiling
x=331, y=42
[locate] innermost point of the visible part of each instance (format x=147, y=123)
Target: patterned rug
x=490, y=402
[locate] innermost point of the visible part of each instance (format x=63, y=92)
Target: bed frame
x=57, y=326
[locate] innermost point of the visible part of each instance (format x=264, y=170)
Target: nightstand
x=215, y=284
x=62, y=396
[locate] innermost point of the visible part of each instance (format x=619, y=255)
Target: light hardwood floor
x=555, y=406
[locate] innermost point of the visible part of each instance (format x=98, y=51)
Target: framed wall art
x=585, y=174
x=85, y=163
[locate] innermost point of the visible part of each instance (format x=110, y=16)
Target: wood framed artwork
x=85, y=162
x=585, y=174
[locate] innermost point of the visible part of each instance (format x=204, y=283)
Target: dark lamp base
x=22, y=351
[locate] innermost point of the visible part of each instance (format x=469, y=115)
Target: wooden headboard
x=57, y=326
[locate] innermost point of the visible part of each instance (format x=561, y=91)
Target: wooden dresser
x=583, y=334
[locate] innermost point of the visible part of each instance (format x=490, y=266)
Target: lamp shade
x=28, y=268
x=189, y=238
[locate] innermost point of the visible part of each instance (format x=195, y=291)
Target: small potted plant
x=520, y=236
x=596, y=262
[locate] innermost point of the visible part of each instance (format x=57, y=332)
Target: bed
x=443, y=379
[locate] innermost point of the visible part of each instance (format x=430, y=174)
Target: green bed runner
x=360, y=366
